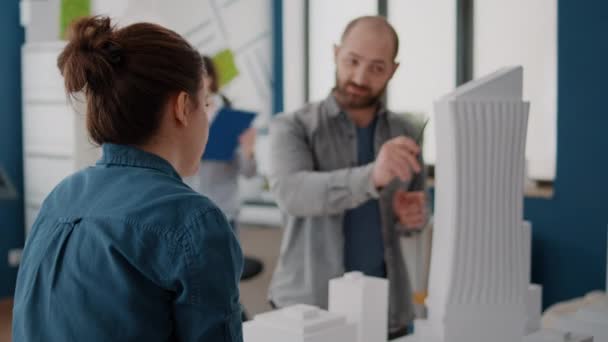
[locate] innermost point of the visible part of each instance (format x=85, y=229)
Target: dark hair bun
x=127, y=76
x=90, y=56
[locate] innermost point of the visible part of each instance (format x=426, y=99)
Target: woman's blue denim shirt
x=125, y=251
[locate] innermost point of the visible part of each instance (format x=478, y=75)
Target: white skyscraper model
x=478, y=286
x=477, y=282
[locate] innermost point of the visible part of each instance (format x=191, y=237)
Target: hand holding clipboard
x=224, y=133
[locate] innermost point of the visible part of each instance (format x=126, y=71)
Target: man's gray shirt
x=315, y=178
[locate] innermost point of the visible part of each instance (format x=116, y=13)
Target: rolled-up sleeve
x=302, y=191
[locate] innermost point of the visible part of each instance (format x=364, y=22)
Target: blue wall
x=11, y=211
x=569, y=239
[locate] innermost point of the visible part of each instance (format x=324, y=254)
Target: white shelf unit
x=55, y=142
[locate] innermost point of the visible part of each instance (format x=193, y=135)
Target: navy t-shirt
x=363, y=243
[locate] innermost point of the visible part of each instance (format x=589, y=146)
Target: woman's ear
x=181, y=108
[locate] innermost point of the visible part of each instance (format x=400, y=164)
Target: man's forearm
x=311, y=193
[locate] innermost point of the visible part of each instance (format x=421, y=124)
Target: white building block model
x=364, y=302
x=555, y=336
x=534, y=293
x=534, y=305
x=591, y=319
x=299, y=323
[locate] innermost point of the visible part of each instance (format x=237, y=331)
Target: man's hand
x=410, y=208
x=397, y=159
x=247, y=142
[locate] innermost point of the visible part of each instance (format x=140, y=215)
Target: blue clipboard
x=224, y=133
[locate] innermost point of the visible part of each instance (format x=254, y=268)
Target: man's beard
x=351, y=101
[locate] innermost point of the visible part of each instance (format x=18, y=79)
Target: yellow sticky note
x=72, y=10
x=226, y=67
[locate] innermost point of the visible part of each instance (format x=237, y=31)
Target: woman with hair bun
x=124, y=250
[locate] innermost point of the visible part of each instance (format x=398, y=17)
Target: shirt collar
x=125, y=155
x=333, y=108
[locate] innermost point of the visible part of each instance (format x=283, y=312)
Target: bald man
x=349, y=176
